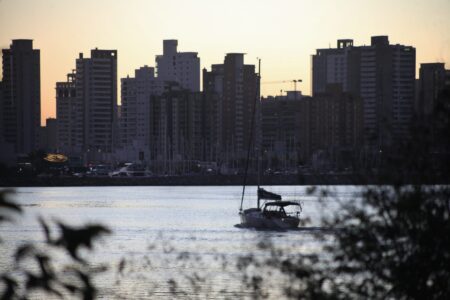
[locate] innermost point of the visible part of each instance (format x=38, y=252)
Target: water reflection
x=156, y=228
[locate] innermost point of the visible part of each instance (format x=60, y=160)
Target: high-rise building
x=431, y=82
x=383, y=75
x=280, y=130
x=48, y=136
x=136, y=94
x=330, y=128
x=237, y=88
x=180, y=67
x=7, y=155
x=182, y=130
x=70, y=118
x=332, y=65
x=1, y=114
x=96, y=88
x=21, y=104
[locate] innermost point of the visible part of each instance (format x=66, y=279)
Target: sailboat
x=275, y=213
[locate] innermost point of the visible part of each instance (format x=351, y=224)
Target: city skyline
x=284, y=35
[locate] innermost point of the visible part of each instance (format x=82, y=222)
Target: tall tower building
x=69, y=118
x=182, y=130
x=387, y=74
x=331, y=66
x=431, y=82
x=1, y=114
x=180, y=67
x=236, y=84
x=383, y=75
x=21, y=104
x=96, y=88
x=136, y=94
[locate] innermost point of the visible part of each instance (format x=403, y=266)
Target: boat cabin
x=281, y=209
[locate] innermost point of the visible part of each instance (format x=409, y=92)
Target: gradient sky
x=284, y=33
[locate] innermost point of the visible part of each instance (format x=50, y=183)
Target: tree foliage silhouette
x=74, y=277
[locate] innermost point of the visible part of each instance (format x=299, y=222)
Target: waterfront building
x=182, y=130
x=237, y=88
x=330, y=129
x=7, y=155
x=1, y=114
x=21, y=101
x=180, y=67
x=382, y=74
x=280, y=130
x=96, y=89
x=48, y=136
x=136, y=94
x=70, y=118
x=333, y=65
x=432, y=80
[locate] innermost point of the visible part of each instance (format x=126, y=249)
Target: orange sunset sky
x=284, y=33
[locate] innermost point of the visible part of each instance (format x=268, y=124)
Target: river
x=164, y=233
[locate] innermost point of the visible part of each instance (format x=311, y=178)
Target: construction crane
x=294, y=81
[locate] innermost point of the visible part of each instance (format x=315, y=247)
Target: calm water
x=164, y=232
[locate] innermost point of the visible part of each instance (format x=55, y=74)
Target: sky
x=283, y=33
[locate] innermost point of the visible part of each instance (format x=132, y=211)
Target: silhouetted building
x=96, y=88
x=182, y=130
x=21, y=104
x=330, y=128
x=135, y=120
x=383, y=75
x=48, y=136
x=7, y=155
x=180, y=67
x=432, y=77
x=335, y=65
x=1, y=114
x=69, y=118
x=236, y=86
x=280, y=130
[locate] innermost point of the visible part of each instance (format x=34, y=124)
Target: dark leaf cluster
x=36, y=269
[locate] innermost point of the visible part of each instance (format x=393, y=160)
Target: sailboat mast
x=258, y=139
x=252, y=129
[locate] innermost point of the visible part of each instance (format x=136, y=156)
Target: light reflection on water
x=156, y=224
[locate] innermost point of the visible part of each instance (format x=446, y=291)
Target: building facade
x=96, y=88
x=330, y=129
x=48, y=136
x=69, y=118
x=180, y=67
x=280, y=130
x=382, y=74
x=182, y=130
x=136, y=94
x=432, y=77
x=21, y=104
x=237, y=88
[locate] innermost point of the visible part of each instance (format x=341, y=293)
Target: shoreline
x=199, y=180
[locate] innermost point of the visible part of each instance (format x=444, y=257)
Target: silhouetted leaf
x=88, y=290
x=23, y=251
x=10, y=290
x=121, y=266
x=72, y=238
x=46, y=230
x=40, y=282
x=70, y=287
x=6, y=204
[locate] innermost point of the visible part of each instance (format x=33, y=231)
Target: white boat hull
x=255, y=218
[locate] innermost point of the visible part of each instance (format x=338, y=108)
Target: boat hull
x=255, y=218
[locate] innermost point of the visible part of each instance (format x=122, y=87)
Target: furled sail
x=263, y=194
